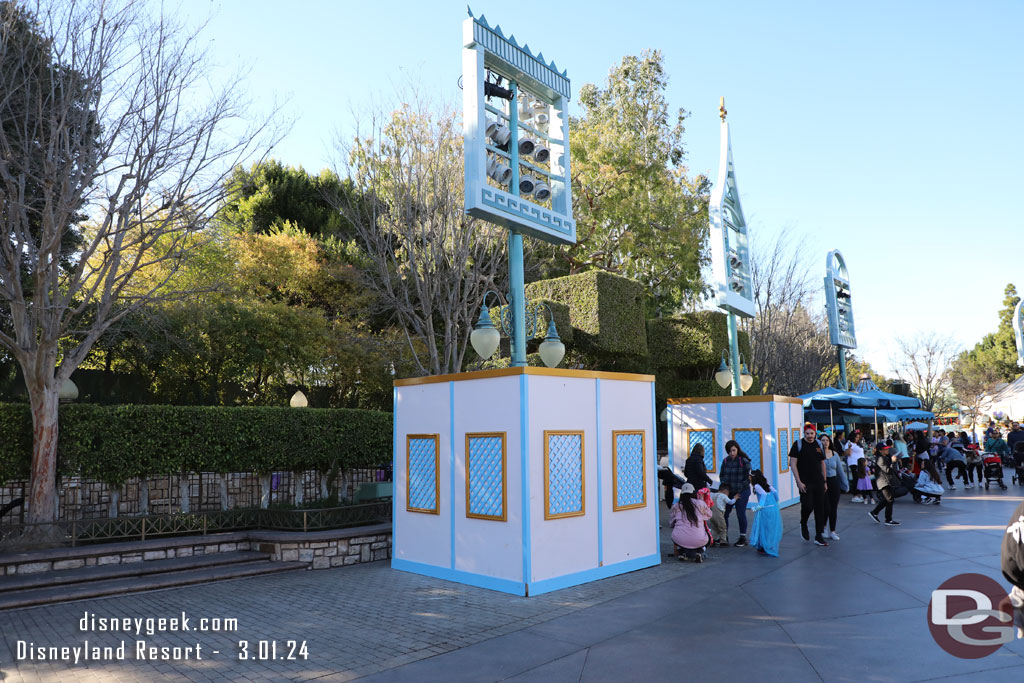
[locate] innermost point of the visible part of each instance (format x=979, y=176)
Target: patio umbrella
x=917, y=426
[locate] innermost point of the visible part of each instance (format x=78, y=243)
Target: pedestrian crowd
x=824, y=466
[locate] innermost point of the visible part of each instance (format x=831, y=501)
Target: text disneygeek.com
x=142, y=649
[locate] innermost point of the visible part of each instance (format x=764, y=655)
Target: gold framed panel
x=760, y=443
x=547, y=475
x=615, y=468
x=504, y=476
x=714, y=447
x=437, y=473
x=784, y=457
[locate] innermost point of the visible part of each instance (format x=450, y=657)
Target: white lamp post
x=298, y=400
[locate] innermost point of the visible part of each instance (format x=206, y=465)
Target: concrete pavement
x=851, y=612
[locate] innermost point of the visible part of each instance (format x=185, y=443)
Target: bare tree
x=112, y=158
x=790, y=349
x=924, y=362
x=430, y=263
x=972, y=383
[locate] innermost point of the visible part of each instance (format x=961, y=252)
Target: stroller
x=993, y=470
x=1018, y=463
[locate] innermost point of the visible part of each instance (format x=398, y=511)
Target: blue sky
x=890, y=131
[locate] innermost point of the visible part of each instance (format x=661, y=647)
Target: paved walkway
x=852, y=612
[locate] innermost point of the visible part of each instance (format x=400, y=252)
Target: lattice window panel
x=784, y=446
x=423, y=482
x=630, y=485
x=485, y=476
x=563, y=475
x=705, y=437
x=750, y=443
x=797, y=434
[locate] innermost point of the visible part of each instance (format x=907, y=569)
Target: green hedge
x=692, y=342
x=115, y=443
x=606, y=310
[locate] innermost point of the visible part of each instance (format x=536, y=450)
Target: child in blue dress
x=767, y=530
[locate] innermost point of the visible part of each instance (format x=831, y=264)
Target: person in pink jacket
x=689, y=532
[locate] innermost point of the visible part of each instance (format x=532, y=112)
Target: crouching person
x=689, y=532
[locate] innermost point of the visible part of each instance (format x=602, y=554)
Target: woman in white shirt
x=854, y=452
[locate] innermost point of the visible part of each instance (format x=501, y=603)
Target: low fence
x=81, y=532
x=84, y=499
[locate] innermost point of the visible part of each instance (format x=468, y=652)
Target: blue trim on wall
x=597, y=451
x=721, y=437
x=451, y=466
x=774, y=439
x=654, y=473
x=394, y=467
x=524, y=460
x=791, y=501
x=587, y=575
x=458, y=576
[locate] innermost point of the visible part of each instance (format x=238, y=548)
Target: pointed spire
x=721, y=109
x=483, y=21
x=511, y=39
x=469, y=11
x=540, y=57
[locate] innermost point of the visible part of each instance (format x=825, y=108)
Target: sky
x=890, y=131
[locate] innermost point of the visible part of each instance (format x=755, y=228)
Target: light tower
x=840, y=310
x=730, y=251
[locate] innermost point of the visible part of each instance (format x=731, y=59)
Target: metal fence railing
x=87, y=531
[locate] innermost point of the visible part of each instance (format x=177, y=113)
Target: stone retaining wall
x=318, y=549
x=334, y=553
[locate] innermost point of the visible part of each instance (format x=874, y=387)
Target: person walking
x=807, y=463
x=735, y=473
x=887, y=478
x=995, y=444
x=835, y=478
x=854, y=451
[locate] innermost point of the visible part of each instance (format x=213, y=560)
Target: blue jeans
x=741, y=511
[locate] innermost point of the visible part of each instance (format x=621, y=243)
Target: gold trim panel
x=783, y=457
x=504, y=476
x=583, y=475
x=437, y=473
x=615, y=468
x=767, y=398
x=511, y=372
x=714, y=447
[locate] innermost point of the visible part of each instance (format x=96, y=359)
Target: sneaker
x=892, y=522
x=951, y=487
x=968, y=486
x=742, y=542
x=874, y=516
x=818, y=540
x=857, y=499
x=834, y=536
x=699, y=558
x=805, y=533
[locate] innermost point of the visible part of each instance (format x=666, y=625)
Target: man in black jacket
x=807, y=463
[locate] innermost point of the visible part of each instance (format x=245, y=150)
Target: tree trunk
x=115, y=502
x=222, y=484
x=42, y=498
x=297, y=489
x=264, y=491
x=185, y=491
x=144, y=495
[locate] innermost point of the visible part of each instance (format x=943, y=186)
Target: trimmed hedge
x=607, y=310
x=692, y=342
x=116, y=443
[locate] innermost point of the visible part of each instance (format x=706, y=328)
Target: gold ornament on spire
x=721, y=109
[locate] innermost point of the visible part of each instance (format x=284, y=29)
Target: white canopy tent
x=1008, y=401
